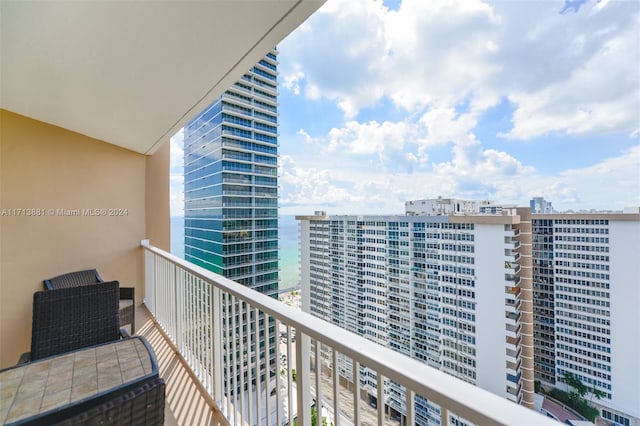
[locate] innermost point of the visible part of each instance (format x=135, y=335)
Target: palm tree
x=597, y=393
x=579, y=388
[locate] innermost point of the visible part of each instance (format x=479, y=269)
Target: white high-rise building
x=451, y=290
x=449, y=206
x=425, y=285
x=586, y=271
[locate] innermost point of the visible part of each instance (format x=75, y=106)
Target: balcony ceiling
x=132, y=73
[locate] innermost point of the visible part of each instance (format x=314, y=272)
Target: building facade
x=231, y=197
x=230, y=182
x=586, y=294
x=453, y=291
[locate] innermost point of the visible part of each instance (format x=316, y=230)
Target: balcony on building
x=90, y=95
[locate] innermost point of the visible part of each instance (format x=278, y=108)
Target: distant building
x=447, y=206
x=425, y=284
x=586, y=278
x=540, y=205
x=451, y=290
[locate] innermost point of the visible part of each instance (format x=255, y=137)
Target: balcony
x=195, y=313
x=512, y=306
x=80, y=133
x=90, y=133
x=512, y=330
x=512, y=290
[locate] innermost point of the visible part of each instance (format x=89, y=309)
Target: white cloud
x=383, y=144
x=306, y=137
x=472, y=173
x=176, y=194
x=573, y=72
x=501, y=177
x=441, y=67
x=176, y=177
x=310, y=186
x=176, y=150
x=369, y=138
x=437, y=52
x=363, y=182
x=345, y=59
x=292, y=79
x=598, y=95
x=444, y=64
x=398, y=143
x=618, y=177
x=444, y=125
x=423, y=53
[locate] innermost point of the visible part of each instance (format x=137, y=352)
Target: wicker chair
x=91, y=276
x=73, y=279
x=72, y=318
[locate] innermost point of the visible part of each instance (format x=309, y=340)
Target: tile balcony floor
x=185, y=405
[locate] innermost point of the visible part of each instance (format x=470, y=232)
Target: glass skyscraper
x=231, y=206
x=230, y=182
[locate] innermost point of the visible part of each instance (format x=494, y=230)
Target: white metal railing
x=217, y=324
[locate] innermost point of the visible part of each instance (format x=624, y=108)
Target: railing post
x=303, y=378
x=318, y=369
x=336, y=388
x=228, y=351
x=242, y=352
x=289, y=377
x=173, y=311
x=356, y=391
x=444, y=416
x=154, y=282
x=275, y=367
x=234, y=362
x=258, y=352
x=380, y=397
x=216, y=346
x=411, y=407
x=179, y=298
x=149, y=278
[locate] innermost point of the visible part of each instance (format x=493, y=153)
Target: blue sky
x=382, y=102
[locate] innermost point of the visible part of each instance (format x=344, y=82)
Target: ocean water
x=288, y=251
x=288, y=247
x=177, y=236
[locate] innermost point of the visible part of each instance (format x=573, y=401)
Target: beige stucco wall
x=526, y=306
x=50, y=168
x=157, y=198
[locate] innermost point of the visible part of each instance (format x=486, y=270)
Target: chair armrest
x=127, y=293
x=24, y=358
x=128, y=313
